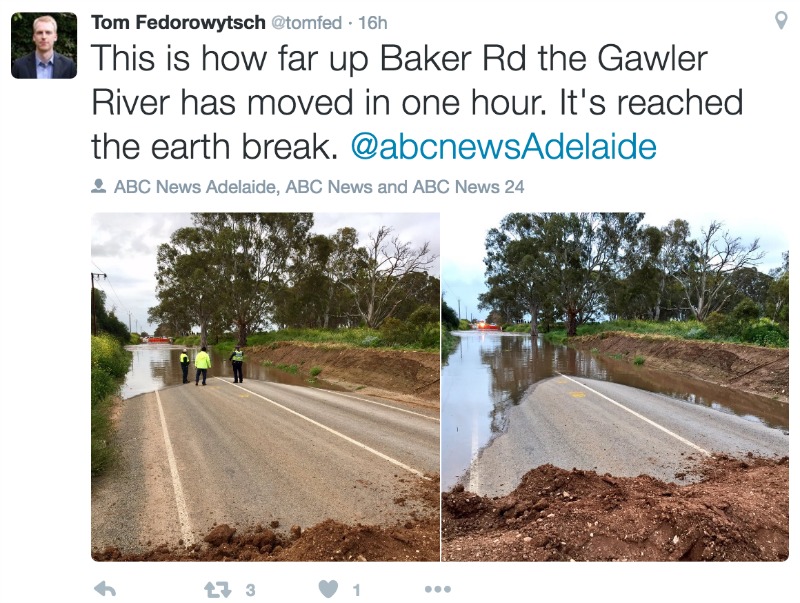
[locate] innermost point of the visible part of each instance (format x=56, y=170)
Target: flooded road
x=489, y=372
x=156, y=366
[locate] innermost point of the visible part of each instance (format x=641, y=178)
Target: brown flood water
x=157, y=365
x=489, y=372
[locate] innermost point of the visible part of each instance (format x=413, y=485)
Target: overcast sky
x=464, y=236
x=124, y=247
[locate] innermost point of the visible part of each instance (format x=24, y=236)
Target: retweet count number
x=357, y=589
x=251, y=590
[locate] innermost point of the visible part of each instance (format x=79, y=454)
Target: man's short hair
x=46, y=19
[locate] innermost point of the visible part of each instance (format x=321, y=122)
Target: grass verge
x=110, y=363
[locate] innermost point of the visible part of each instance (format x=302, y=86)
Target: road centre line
x=642, y=417
x=333, y=431
x=180, y=501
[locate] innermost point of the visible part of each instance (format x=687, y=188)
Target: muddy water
x=156, y=366
x=490, y=371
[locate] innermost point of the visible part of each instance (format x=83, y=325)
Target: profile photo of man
x=44, y=62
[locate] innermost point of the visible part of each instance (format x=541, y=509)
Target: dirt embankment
x=752, y=369
x=383, y=373
x=739, y=512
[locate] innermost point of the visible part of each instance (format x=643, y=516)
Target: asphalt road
x=194, y=456
x=610, y=428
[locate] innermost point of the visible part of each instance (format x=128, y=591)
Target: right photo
x=615, y=387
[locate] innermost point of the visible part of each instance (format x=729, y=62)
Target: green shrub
x=103, y=385
x=110, y=356
x=746, y=311
x=716, y=324
x=425, y=314
x=523, y=327
x=109, y=365
x=410, y=333
x=638, y=360
x=315, y=370
x=698, y=332
x=765, y=332
x=448, y=344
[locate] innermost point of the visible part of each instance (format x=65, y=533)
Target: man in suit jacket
x=44, y=62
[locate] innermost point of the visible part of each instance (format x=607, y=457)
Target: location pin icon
x=781, y=17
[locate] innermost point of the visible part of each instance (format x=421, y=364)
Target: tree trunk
x=534, y=309
x=572, y=322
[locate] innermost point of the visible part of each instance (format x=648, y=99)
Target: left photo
x=265, y=387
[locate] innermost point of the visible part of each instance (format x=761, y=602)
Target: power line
x=123, y=307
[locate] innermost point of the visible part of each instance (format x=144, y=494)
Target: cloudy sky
x=464, y=235
x=124, y=247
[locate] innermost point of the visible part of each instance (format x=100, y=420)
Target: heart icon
x=328, y=588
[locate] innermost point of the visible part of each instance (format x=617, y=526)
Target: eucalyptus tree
x=778, y=293
x=253, y=253
x=378, y=275
x=188, y=281
x=516, y=270
x=583, y=252
x=545, y=260
x=633, y=289
x=709, y=266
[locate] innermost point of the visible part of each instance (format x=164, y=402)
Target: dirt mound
x=414, y=540
x=738, y=512
x=754, y=369
x=326, y=541
x=404, y=372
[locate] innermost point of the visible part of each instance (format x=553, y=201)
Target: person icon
x=98, y=186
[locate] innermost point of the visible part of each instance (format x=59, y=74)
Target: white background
x=743, y=170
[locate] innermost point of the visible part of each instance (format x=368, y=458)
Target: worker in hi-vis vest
x=202, y=362
x=237, y=357
x=185, y=365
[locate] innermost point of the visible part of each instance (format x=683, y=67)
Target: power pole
x=94, y=315
x=459, y=309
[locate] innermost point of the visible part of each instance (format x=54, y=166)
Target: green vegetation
x=292, y=369
x=110, y=363
x=638, y=360
x=449, y=343
x=522, y=327
x=315, y=370
x=360, y=337
x=242, y=272
x=573, y=268
x=103, y=321
x=450, y=321
x=718, y=327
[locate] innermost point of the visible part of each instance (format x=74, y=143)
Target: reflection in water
x=490, y=371
x=156, y=366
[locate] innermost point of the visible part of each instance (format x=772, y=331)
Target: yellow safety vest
x=203, y=361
